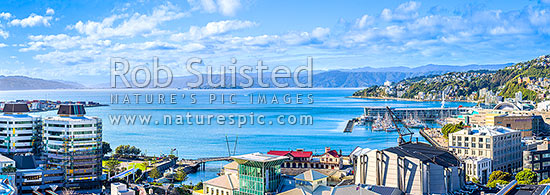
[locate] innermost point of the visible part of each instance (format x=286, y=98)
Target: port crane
x=402, y=134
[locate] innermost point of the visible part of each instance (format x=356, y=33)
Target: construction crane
x=408, y=132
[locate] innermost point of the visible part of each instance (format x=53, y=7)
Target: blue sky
x=74, y=40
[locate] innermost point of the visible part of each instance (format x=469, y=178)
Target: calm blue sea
x=330, y=111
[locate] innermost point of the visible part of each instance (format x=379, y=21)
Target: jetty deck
x=425, y=114
x=349, y=126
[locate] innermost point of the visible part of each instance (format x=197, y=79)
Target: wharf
x=424, y=114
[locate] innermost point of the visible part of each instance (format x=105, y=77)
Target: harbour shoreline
x=408, y=99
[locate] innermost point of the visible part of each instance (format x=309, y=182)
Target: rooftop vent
x=15, y=108
x=71, y=109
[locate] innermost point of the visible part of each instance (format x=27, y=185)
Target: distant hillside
x=25, y=83
x=349, y=78
x=470, y=85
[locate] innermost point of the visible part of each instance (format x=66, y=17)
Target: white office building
x=72, y=142
x=20, y=132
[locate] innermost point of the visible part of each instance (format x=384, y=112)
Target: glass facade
x=259, y=178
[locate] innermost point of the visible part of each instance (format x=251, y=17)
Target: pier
x=424, y=114
x=349, y=126
x=192, y=165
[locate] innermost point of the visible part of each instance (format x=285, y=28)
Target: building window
x=545, y=164
x=547, y=155
x=536, y=156
x=536, y=166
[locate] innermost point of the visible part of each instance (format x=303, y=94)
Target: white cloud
x=4, y=34
x=212, y=28
x=320, y=33
x=404, y=11
x=137, y=24
x=32, y=20
x=225, y=7
x=50, y=11
x=229, y=7
x=3, y=45
x=5, y=15
x=364, y=21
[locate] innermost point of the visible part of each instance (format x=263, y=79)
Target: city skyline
x=74, y=41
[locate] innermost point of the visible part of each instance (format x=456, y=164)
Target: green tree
x=499, y=175
x=154, y=173
x=180, y=175
x=494, y=183
x=9, y=169
x=526, y=177
x=545, y=181
x=106, y=147
x=198, y=186
x=112, y=165
x=474, y=179
x=451, y=128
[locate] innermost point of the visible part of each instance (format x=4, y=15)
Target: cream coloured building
x=478, y=167
x=500, y=144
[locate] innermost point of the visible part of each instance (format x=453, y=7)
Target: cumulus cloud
x=212, y=28
x=225, y=7
x=50, y=11
x=5, y=15
x=404, y=11
x=136, y=24
x=4, y=34
x=32, y=20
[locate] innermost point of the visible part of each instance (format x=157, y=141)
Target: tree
x=154, y=173
x=494, y=183
x=451, y=128
x=474, y=179
x=106, y=147
x=127, y=150
x=112, y=165
x=499, y=175
x=180, y=175
x=9, y=169
x=545, y=181
x=526, y=177
x=198, y=186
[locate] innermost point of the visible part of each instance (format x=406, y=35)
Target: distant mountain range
x=24, y=83
x=341, y=78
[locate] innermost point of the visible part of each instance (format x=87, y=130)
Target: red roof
x=333, y=153
x=297, y=154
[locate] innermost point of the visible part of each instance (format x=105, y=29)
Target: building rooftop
x=71, y=109
x=358, y=151
x=486, y=131
x=425, y=153
x=15, y=108
x=296, y=154
x=365, y=190
x=310, y=175
x=225, y=181
x=4, y=158
x=232, y=165
x=259, y=157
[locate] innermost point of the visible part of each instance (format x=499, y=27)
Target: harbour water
x=330, y=111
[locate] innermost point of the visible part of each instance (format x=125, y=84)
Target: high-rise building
x=72, y=142
x=259, y=174
x=20, y=133
x=500, y=144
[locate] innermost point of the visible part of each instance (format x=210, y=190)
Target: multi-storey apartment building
x=20, y=133
x=500, y=144
x=538, y=160
x=72, y=142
